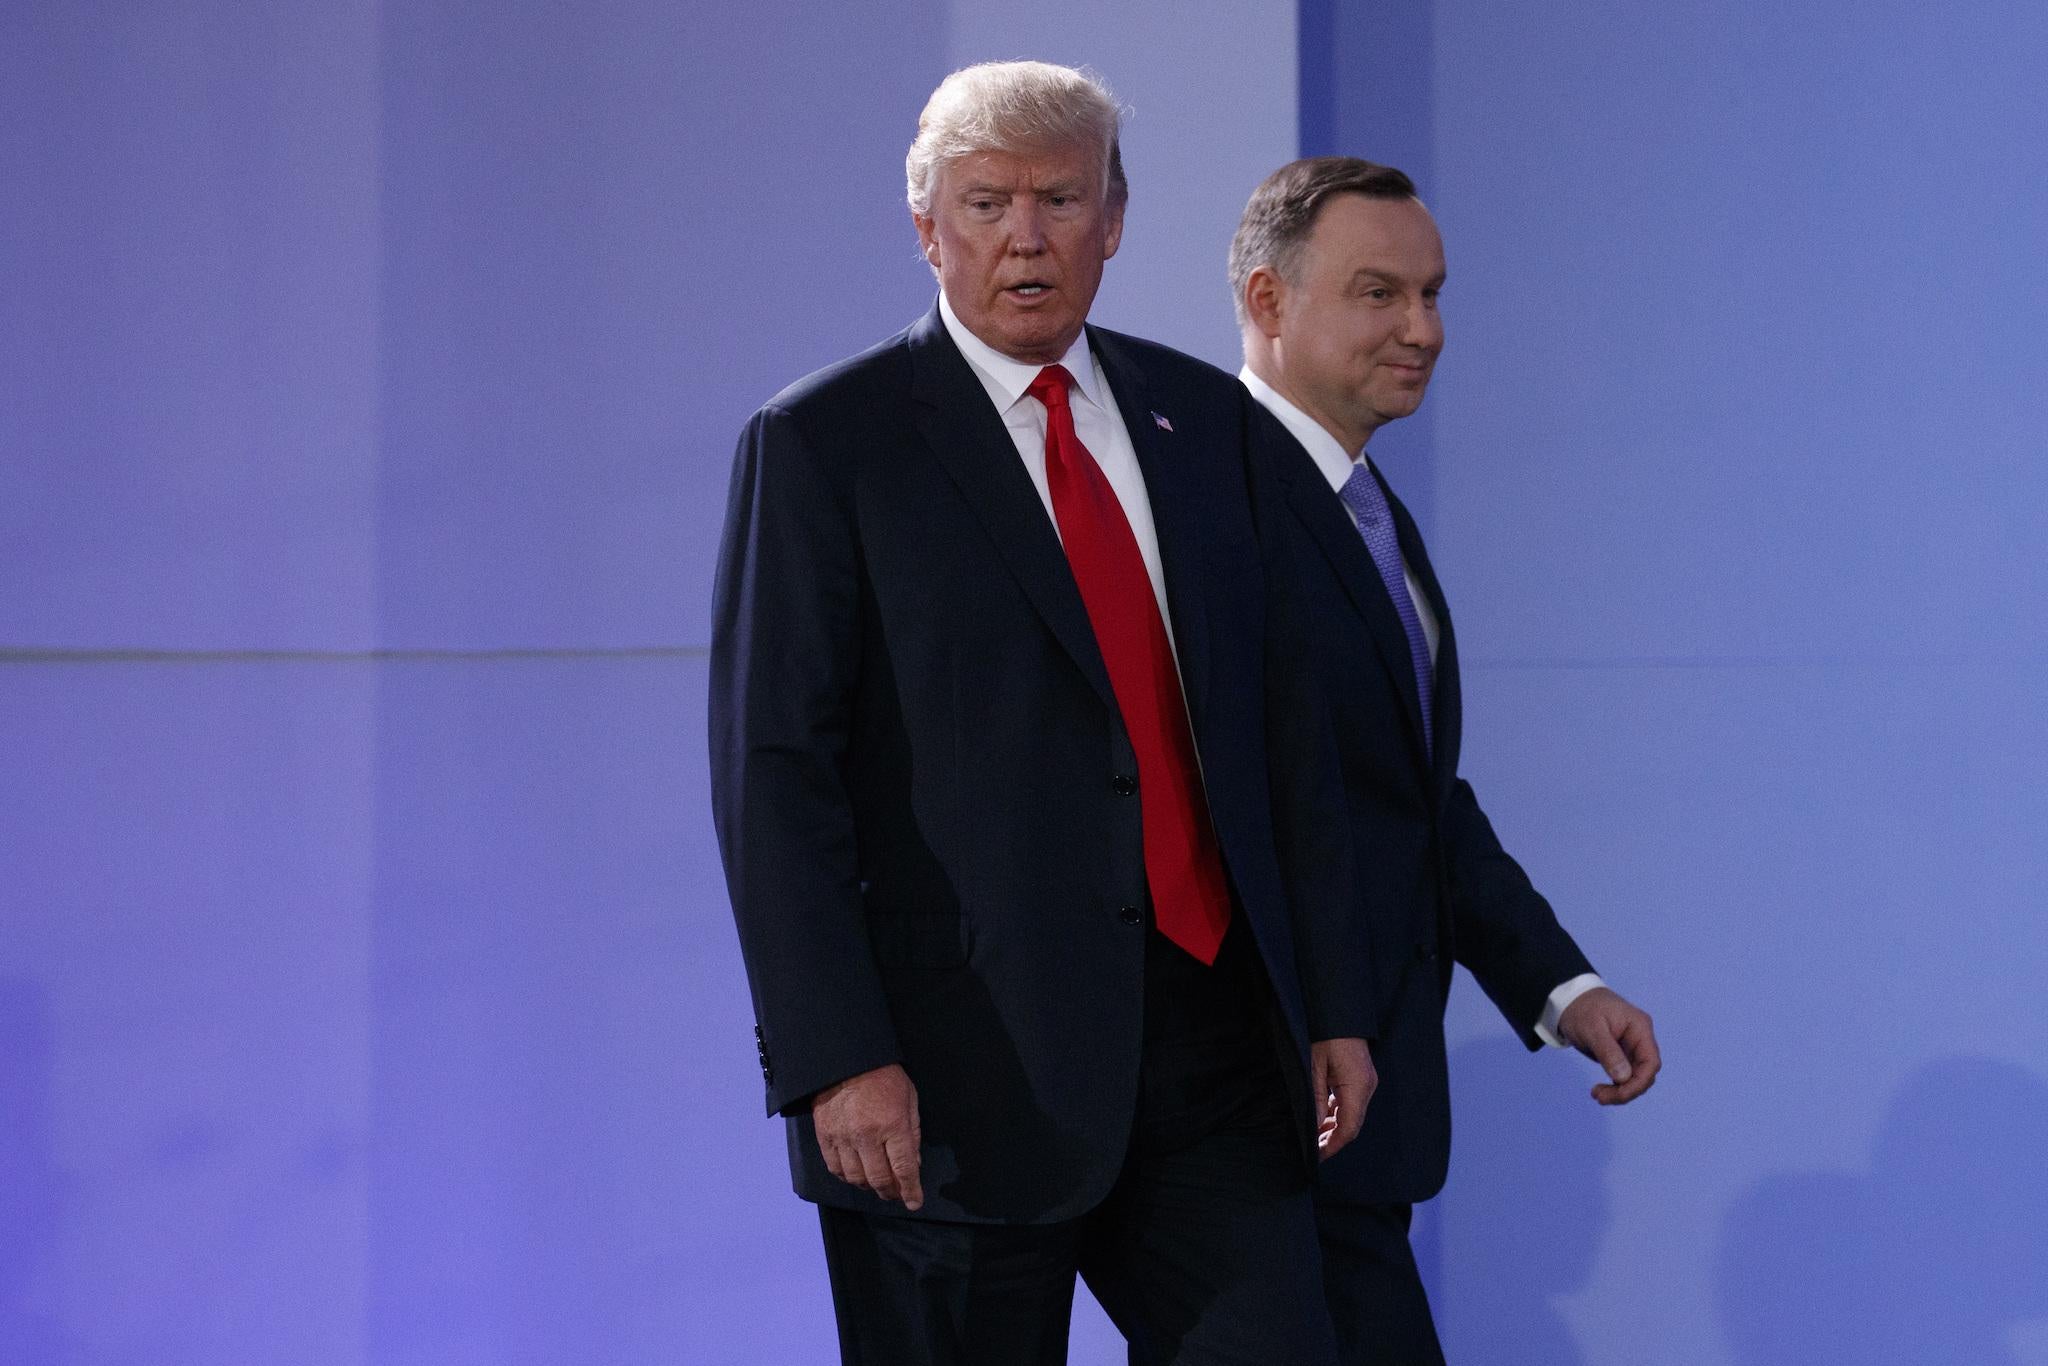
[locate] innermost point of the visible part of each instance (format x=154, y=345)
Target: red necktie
x=1190, y=902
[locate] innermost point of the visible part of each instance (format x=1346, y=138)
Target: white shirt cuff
x=1563, y=996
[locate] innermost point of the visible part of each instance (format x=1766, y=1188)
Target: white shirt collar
x=1330, y=457
x=1007, y=379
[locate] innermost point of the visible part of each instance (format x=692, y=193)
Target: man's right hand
x=1343, y=1079
x=868, y=1131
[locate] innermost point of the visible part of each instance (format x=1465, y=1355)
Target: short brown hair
x=1283, y=211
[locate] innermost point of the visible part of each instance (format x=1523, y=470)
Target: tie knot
x=1051, y=385
x=1361, y=495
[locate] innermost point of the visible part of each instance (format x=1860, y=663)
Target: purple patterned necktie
x=1361, y=493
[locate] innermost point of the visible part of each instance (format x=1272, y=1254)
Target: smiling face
x=1353, y=339
x=1018, y=240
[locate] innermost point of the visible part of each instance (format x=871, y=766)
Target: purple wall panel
x=184, y=1013
x=589, y=219
x=568, y=1160
x=1821, y=882
x=360, y=1008
x=1744, y=331
x=1735, y=495
x=188, y=257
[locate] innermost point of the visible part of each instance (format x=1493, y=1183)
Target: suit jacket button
x=1123, y=784
x=1131, y=915
x=1426, y=952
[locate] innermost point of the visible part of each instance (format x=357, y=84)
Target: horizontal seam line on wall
x=1759, y=662
x=40, y=655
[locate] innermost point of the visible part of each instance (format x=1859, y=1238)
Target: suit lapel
x=1448, y=702
x=967, y=436
x=1171, y=486
x=1336, y=535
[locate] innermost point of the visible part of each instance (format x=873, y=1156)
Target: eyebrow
x=1065, y=187
x=1368, y=273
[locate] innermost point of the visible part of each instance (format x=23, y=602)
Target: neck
x=1259, y=360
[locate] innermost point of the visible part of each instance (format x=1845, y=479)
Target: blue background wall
x=367, y=992
x=1732, y=469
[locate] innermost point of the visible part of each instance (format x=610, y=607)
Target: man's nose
x=1027, y=230
x=1422, y=326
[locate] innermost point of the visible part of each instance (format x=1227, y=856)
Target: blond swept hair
x=1010, y=107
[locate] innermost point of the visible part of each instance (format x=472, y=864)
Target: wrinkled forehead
x=1026, y=168
x=1074, y=164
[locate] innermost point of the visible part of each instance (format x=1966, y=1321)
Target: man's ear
x=1114, y=237
x=1265, y=298
x=927, y=236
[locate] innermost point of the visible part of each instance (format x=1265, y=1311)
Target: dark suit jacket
x=921, y=780
x=1434, y=882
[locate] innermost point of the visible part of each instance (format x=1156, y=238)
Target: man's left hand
x=1344, y=1080
x=1606, y=1028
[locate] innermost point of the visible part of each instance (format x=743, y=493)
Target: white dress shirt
x=1096, y=421
x=1336, y=464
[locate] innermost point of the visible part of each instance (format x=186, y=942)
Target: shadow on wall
x=1929, y=1257
x=28, y=1173
x=1520, y=1220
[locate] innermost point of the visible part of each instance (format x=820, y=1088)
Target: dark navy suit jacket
x=1433, y=881
x=921, y=780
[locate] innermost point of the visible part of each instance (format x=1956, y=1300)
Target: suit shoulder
x=848, y=386
x=1275, y=447
x=1270, y=433
x=1164, y=364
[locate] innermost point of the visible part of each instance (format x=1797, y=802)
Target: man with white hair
x=1030, y=820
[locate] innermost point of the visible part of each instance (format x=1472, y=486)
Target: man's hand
x=1343, y=1080
x=1618, y=1036
x=868, y=1131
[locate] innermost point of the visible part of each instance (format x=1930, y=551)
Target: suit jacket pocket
x=918, y=939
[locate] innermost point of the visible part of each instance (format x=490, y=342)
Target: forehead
x=1023, y=168
x=1397, y=236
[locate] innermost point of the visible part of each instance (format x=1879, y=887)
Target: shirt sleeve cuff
x=1560, y=998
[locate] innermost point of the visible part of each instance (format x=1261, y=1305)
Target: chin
x=1045, y=342
x=1019, y=347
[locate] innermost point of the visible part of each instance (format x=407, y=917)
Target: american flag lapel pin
x=1159, y=421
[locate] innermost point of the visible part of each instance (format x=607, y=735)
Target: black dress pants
x=1377, y=1303
x=1205, y=1250
x=1378, y=1306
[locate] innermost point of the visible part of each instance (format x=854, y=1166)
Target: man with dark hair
x=1336, y=267
x=1031, y=822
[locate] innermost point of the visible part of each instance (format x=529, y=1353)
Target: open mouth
x=1030, y=289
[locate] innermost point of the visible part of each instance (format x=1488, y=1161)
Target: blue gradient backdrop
x=368, y=382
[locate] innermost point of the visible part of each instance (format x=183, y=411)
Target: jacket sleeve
x=1506, y=934
x=785, y=667
x=1311, y=827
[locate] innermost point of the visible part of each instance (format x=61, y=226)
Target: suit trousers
x=1204, y=1251
x=1377, y=1303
